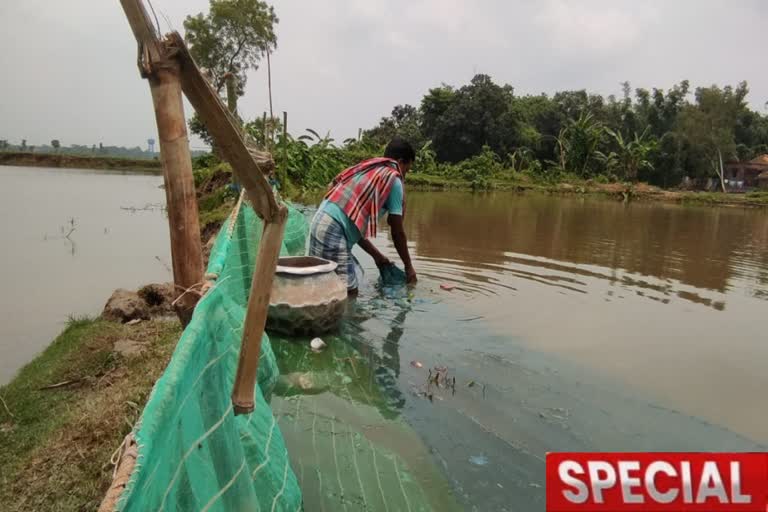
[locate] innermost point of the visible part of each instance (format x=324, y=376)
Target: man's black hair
x=400, y=149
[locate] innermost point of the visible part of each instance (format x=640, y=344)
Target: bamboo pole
x=249, y=165
x=163, y=74
x=269, y=86
x=256, y=314
x=264, y=125
x=284, y=170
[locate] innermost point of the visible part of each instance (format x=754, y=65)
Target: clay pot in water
x=307, y=298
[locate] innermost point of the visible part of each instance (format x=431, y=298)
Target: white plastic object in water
x=317, y=344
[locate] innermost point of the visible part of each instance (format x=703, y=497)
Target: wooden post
x=256, y=314
x=264, y=124
x=284, y=170
x=250, y=165
x=165, y=86
x=271, y=114
x=231, y=82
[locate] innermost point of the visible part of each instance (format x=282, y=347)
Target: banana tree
x=633, y=154
x=578, y=143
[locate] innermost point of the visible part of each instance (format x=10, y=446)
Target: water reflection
x=340, y=413
x=474, y=237
x=361, y=363
x=661, y=297
x=573, y=325
x=67, y=245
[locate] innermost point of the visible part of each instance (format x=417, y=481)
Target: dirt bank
x=80, y=162
x=64, y=414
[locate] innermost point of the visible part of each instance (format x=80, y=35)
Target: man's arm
x=401, y=244
x=371, y=249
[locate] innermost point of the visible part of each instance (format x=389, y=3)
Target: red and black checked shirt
x=361, y=190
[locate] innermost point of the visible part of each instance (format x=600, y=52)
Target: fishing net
x=391, y=275
x=193, y=452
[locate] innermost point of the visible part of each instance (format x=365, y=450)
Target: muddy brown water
x=46, y=276
x=573, y=324
x=665, y=298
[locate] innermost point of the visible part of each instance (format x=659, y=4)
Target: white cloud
x=594, y=26
x=342, y=64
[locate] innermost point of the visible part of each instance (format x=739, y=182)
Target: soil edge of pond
x=64, y=414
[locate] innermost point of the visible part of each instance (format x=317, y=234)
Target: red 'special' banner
x=657, y=482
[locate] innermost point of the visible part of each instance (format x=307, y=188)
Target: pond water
x=573, y=324
x=48, y=276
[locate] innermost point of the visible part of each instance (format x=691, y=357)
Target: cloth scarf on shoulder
x=360, y=199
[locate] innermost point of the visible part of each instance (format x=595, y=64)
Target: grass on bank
x=56, y=443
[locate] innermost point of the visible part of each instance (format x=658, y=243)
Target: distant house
x=747, y=175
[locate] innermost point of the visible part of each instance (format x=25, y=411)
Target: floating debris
x=417, y=364
x=478, y=460
x=447, y=286
x=317, y=345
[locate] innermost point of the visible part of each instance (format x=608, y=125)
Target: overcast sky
x=68, y=67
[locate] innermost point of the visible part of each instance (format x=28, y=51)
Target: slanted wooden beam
x=249, y=165
x=163, y=73
x=168, y=60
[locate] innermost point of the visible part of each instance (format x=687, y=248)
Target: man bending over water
x=355, y=202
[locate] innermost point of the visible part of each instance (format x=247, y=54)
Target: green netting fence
x=194, y=453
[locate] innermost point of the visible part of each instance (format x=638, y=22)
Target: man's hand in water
x=410, y=275
x=382, y=262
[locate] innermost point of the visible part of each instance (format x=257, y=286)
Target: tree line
x=483, y=130
x=656, y=136
x=55, y=147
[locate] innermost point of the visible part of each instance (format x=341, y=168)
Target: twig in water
x=168, y=268
x=6, y=407
x=71, y=229
x=148, y=207
x=470, y=319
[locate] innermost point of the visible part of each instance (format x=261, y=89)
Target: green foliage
x=231, y=38
x=654, y=135
x=264, y=128
x=482, y=134
x=631, y=155
x=426, y=160
x=460, y=122
x=310, y=160
x=203, y=162
x=226, y=43
x=579, y=141
x=405, y=121
x=710, y=127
